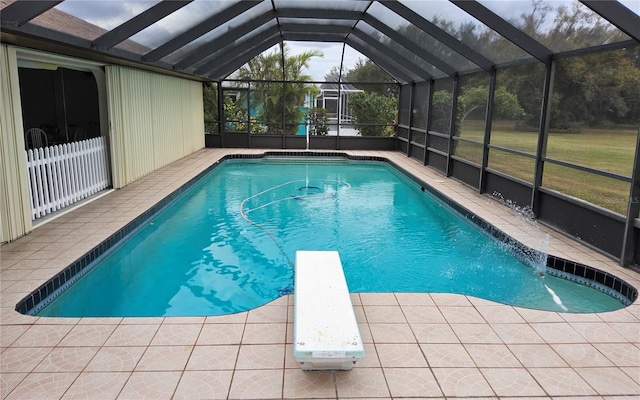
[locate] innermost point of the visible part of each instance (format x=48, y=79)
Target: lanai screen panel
x=338, y=5
x=468, y=29
x=560, y=25
x=421, y=38
x=353, y=57
x=456, y=37
x=211, y=38
x=396, y=48
x=401, y=72
x=632, y=5
x=238, y=48
x=102, y=13
x=180, y=21
x=347, y=23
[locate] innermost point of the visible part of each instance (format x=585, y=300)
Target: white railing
x=64, y=174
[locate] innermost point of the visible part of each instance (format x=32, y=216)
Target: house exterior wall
x=154, y=120
x=15, y=215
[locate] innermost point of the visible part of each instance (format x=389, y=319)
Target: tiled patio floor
x=418, y=345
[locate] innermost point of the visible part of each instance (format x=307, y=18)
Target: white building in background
x=334, y=97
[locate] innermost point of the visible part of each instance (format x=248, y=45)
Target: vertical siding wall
x=154, y=120
x=15, y=218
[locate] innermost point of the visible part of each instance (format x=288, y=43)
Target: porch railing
x=64, y=174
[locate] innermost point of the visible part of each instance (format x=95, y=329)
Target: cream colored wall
x=154, y=120
x=15, y=215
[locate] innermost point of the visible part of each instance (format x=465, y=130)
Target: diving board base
x=323, y=363
x=326, y=333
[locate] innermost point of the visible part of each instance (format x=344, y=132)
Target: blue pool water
x=228, y=244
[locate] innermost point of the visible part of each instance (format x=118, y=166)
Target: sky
x=319, y=67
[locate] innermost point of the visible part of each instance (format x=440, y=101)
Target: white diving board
x=325, y=330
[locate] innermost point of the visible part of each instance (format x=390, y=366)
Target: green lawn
x=610, y=150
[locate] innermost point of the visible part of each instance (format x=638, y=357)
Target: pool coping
x=39, y=298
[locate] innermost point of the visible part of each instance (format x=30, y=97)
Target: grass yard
x=610, y=150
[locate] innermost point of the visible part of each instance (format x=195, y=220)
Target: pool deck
x=417, y=345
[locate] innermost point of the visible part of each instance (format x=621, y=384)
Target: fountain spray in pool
x=537, y=255
x=538, y=242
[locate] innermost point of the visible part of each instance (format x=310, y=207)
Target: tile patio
x=418, y=345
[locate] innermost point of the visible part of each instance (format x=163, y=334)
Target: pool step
x=325, y=330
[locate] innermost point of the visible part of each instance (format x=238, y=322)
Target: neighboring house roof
x=332, y=85
x=61, y=21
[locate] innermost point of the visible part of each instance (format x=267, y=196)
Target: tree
x=373, y=113
x=274, y=101
x=593, y=89
x=367, y=71
x=235, y=113
x=505, y=104
x=589, y=90
x=376, y=107
x=210, y=100
x=441, y=111
x=597, y=88
x=366, y=75
x=526, y=82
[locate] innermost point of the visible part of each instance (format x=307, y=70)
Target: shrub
x=318, y=121
x=372, y=113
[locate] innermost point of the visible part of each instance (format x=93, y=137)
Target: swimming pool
x=243, y=222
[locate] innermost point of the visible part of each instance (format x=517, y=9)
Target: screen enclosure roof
x=412, y=40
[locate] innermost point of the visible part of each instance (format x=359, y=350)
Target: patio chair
x=35, y=138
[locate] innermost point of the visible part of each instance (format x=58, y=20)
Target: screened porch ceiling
x=412, y=41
